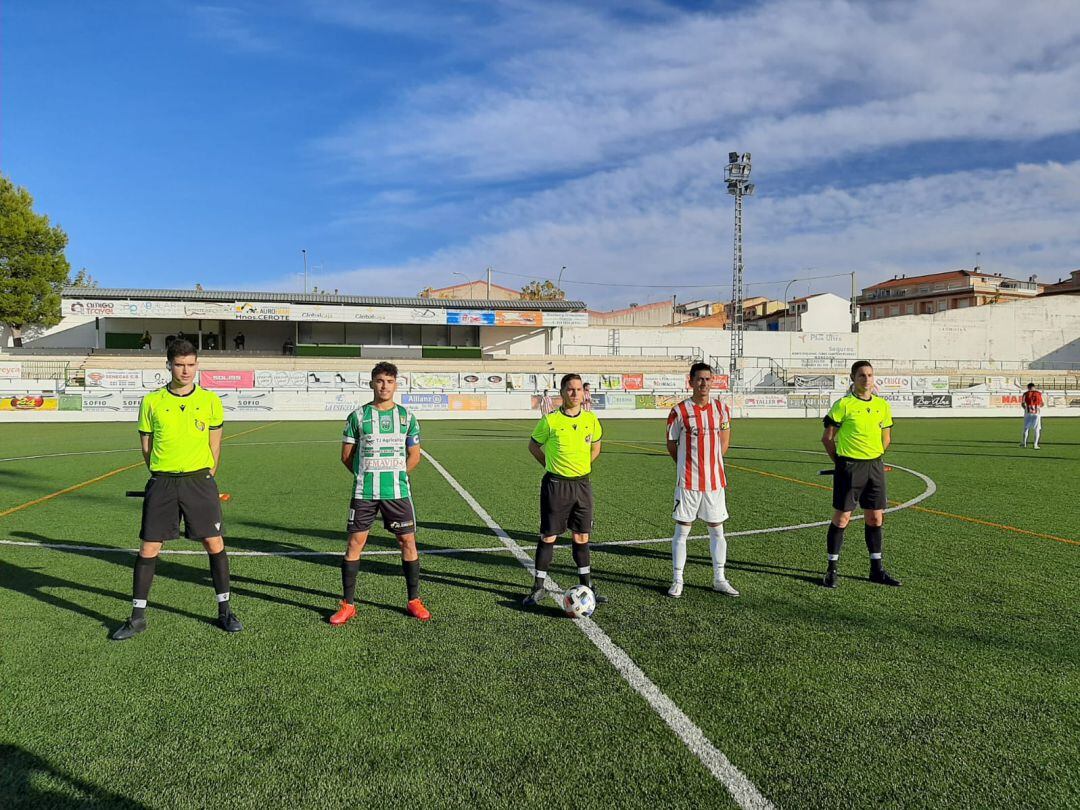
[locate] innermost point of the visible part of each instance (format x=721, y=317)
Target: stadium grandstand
x=305, y=356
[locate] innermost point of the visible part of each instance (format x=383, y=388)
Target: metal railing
x=592, y=350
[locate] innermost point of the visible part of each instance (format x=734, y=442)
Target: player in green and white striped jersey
x=381, y=446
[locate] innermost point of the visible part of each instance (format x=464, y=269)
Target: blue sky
x=402, y=143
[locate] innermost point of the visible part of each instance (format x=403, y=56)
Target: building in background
x=939, y=292
x=821, y=312
x=472, y=291
x=1071, y=285
x=659, y=313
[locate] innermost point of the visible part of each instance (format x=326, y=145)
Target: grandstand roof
x=318, y=298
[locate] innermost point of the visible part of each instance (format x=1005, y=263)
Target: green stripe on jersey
x=381, y=452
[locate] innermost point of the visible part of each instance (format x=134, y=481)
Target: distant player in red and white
x=698, y=435
x=587, y=402
x=1032, y=403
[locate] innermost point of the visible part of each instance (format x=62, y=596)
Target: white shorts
x=691, y=504
x=1032, y=420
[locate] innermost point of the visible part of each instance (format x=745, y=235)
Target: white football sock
x=678, y=551
x=718, y=550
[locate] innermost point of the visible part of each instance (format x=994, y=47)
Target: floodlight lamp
x=733, y=157
x=746, y=157
x=749, y=188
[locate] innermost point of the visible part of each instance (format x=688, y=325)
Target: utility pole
x=489, y=284
x=304, y=251
x=854, y=304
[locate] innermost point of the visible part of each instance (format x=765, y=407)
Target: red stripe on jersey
x=724, y=418
x=688, y=474
x=700, y=446
x=714, y=446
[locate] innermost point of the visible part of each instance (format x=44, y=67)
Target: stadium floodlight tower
x=738, y=185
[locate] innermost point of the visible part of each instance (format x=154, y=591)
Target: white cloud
x=1023, y=221
x=795, y=79
x=635, y=119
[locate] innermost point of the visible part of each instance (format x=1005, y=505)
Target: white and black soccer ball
x=579, y=602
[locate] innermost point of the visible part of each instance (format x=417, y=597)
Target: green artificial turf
x=959, y=689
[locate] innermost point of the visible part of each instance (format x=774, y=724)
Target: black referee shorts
x=859, y=482
x=170, y=496
x=565, y=503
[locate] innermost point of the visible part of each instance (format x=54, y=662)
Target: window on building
x=963, y=302
x=894, y=309
x=910, y=309
x=941, y=305
x=939, y=286
x=880, y=312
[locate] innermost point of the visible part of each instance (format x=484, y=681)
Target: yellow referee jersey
x=860, y=422
x=567, y=442
x=181, y=428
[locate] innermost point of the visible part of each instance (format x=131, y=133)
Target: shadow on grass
x=27, y=780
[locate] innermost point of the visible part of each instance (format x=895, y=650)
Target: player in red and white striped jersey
x=1032, y=403
x=698, y=434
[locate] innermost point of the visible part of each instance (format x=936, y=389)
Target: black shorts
x=398, y=515
x=859, y=482
x=170, y=496
x=565, y=503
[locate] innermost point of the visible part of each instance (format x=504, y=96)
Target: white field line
x=740, y=787
x=931, y=488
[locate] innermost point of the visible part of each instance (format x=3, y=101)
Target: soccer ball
x=579, y=602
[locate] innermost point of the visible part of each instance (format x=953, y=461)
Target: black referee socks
x=834, y=542
x=142, y=578
x=544, y=553
x=219, y=573
x=581, y=560
x=412, y=577
x=874, y=544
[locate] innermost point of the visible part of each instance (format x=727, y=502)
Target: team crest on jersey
x=200, y=425
x=588, y=438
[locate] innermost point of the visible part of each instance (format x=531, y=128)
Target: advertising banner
x=665, y=382
x=117, y=379
x=933, y=400
x=70, y=402
x=894, y=382
x=765, y=401
x=668, y=400
x=127, y=401
x=430, y=380
x=633, y=382
x=334, y=380
x=822, y=381
x=523, y=382
x=721, y=382
x=566, y=318
x=340, y=403
x=281, y=380
x=484, y=380
x=930, y=383
x=426, y=402
x=644, y=402
x=620, y=402
x=818, y=400
x=517, y=318
x=28, y=402
x=611, y=382
x=261, y=312
x=1072, y=402
x=898, y=399
x=1005, y=400
x=970, y=399
x=10, y=370
x=227, y=379
x=155, y=379
x=248, y=402
x=468, y=402
x=539, y=402
x=470, y=317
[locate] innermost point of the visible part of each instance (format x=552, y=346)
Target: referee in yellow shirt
x=565, y=442
x=858, y=429
x=180, y=431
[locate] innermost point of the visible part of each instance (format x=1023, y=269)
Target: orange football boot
x=416, y=609
x=347, y=612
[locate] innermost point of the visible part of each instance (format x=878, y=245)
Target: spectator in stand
x=238, y=341
x=145, y=340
